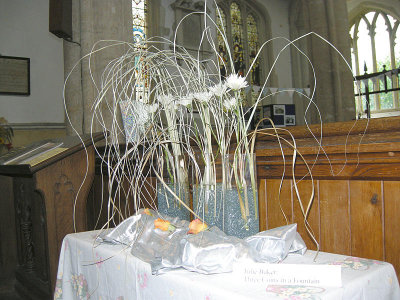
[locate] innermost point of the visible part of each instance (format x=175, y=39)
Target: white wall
x=24, y=31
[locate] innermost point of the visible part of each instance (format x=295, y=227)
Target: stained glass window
x=242, y=31
x=223, y=55
x=252, y=37
x=237, y=39
x=139, y=21
x=139, y=10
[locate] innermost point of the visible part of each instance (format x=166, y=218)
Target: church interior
x=343, y=53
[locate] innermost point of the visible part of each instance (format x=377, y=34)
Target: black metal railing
x=376, y=89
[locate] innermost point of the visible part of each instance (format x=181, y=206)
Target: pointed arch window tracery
x=374, y=37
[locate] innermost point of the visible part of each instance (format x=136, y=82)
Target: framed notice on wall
x=14, y=75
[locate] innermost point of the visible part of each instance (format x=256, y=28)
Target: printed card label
x=289, y=274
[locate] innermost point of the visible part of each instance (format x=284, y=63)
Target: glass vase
x=231, y=203
x=167, y=202
x=208, y=204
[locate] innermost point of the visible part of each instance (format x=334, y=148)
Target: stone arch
x=366, y=6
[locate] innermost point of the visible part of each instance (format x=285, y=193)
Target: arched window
x=240, y=22
x=375, y=36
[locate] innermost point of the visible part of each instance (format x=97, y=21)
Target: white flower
x=152, y=108
x=166, y=100
x=185, y=101
x=236, y=82
x=218, y=89
x=230, y=103
x=203, y=97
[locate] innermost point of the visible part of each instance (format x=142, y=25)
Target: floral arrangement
x=6, y=134
x=183, y=122
x=166, y=139
x=187, y=120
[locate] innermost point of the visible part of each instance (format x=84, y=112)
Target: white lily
x=236, y=82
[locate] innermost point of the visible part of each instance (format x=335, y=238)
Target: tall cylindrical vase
x=232, y=202
x=234, y=222
x=241, y=201
x=167, y=202
x=208, y=204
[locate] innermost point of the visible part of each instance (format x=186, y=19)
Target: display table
x=89, y=270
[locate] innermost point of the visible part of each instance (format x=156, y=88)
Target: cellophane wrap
x=208, y=252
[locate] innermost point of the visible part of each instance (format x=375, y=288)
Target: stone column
x=334, y=84
x=93, y=21
x=338, y=25
x=72, y=73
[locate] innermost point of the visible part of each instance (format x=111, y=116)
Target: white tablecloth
x=90, y=271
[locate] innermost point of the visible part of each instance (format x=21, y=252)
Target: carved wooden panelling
x=40, y=199
x=64, y=198
x=33, y=266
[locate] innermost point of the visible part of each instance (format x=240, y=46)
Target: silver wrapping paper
x=298, y=245
x=212, y=251
x=126, y=232
x=208, y=252
x=161, y=249
x=273, y=245
x=129, y=229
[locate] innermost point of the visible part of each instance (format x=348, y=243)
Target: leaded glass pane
x=370, y=16
x=237, y=39
x=353, y=61
x=397, y=46
x=353, y=53
x=139, y=10
x=252, y=36
x=386, y=99
x=223, y=54
x=364, y=47
x=372, y=103
x=141, y=79
x=139, y=21
x=382, y=44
